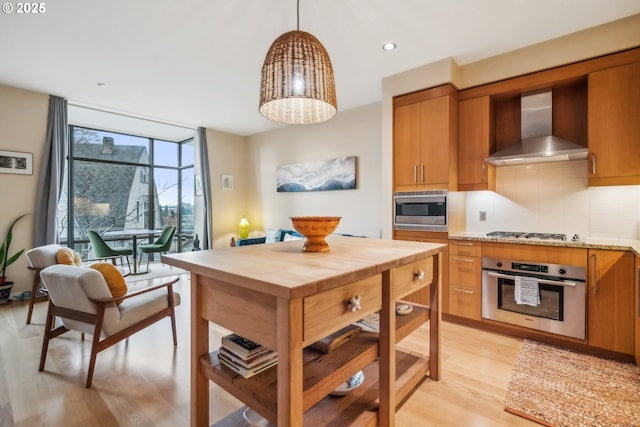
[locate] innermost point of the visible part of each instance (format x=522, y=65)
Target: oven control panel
x=557, y=271
x=535, y=268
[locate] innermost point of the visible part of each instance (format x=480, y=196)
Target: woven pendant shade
x=297, y=84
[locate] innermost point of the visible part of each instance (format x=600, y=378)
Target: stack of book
x=244, y=356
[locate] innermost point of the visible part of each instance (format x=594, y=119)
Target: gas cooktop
x=523, y=235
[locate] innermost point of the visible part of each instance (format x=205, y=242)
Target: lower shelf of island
x=324, y=372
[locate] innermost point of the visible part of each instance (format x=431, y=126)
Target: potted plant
x=6, y=260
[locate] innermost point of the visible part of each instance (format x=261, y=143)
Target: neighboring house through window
x=122, y=183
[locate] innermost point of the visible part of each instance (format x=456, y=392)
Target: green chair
x=161, y=244
x=104, y=251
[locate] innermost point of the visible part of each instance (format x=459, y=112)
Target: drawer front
x=465, y=271
x=328, y=311
x=464, y=248
x=465, y=302
x=406, y=279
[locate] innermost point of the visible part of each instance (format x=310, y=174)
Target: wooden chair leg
x=172, y=305
x=34, y=291
x=95, y=345
x=48, y=325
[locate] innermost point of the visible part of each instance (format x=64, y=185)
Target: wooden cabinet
x=424, y=140
x=610, y=297
x=475, y=143
x=636, y=311
x=465, y=279
x=614, y=133
x=422, y=296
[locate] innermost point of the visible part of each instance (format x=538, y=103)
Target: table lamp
x=244, y=228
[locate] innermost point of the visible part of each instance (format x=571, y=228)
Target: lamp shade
x=297, y=86
x=244, y=228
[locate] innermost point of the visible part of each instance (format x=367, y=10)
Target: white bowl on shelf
x=255, y=419
x=351, y=384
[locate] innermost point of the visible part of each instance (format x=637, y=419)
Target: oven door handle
x=543, y=281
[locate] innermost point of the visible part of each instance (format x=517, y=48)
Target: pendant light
x=297, y=85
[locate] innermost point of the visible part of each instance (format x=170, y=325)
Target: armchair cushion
x=113, y=277
x=68, y=256
x=43, y=256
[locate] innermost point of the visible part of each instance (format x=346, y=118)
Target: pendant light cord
x=298, y=16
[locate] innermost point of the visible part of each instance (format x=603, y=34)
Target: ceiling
x=197, y=62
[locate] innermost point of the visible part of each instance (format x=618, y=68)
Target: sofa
x=273, y=235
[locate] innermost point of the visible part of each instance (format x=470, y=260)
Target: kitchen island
x=286, y=300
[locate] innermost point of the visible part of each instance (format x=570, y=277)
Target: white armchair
x=81, y=298
x=39, y=258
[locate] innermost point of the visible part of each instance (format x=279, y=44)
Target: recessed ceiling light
x=100, y=84
x=389, y=46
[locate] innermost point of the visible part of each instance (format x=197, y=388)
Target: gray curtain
x=52, y=173
x=206, y=187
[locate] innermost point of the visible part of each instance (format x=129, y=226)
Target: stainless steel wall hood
x=537, y=145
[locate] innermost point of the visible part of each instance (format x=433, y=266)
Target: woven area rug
x=558, y=387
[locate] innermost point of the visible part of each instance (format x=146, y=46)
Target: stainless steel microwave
x=421, y=210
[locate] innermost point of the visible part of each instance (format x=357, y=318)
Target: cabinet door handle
x=464, y=291
x=463, y=244
x=594, y=277
x=484, y=171
x=593, y=164
x=415, y=173
x=422, y=174
x=465, y=260
x=418, y=275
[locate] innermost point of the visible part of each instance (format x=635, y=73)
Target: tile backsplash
x=554, y=198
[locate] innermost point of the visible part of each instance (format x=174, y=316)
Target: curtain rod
x=117, y=113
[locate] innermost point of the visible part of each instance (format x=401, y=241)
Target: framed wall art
x=226, y=182
x=332, y=174
x=16, y=162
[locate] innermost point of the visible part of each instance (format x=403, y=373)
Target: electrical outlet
x=483, y=215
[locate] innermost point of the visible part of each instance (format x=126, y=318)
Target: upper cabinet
x=475, y=142
x=614, y=130
x=425, y=140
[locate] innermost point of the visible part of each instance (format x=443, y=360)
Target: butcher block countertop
x=282, y=270
x=588, y=243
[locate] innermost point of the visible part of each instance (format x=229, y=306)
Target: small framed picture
x=227, y=182
x=16, y=162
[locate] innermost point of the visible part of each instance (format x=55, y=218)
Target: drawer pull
x=354, y=303
x=464, y=291
x=465, y=260
x=419, y=275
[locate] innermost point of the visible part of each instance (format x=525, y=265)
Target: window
x=119, y=183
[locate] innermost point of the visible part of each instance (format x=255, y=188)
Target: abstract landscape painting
x=333, y=174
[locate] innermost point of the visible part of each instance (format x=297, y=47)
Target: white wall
x=351, y=133
x=23, y=127
x=554, y=198
x=228, y=156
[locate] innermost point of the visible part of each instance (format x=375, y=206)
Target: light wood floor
x=145, y=382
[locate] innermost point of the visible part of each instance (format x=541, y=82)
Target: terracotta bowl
x=315, y=229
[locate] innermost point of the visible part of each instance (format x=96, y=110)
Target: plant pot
x=5, y=292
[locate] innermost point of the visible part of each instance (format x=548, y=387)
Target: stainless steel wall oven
x=546, y=297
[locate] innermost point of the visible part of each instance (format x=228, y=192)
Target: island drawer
x=328, y=311
x=407, y=278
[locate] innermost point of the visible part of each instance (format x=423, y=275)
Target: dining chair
x=103, y=251
x=161, y=244
x=39, y=258
x=82, y=299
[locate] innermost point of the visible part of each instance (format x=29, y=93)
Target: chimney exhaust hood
x=537, y=145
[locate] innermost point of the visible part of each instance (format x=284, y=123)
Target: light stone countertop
x=588, y=243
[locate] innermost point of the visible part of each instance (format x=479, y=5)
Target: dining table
x=133, y=234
